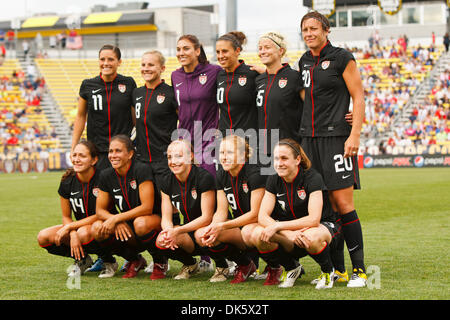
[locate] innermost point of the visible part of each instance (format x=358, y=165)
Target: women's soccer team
x=181, y=171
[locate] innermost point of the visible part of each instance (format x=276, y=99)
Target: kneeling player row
x=178, y=211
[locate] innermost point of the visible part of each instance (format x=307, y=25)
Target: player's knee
x=95, y=229
x=43, y=238
x=246, y=234
x=84, y=234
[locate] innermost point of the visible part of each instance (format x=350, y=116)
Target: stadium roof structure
x=341, y=3
x=93, y=23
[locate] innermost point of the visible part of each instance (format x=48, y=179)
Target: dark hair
x=125, y=140
x=297, y=150
x=319, y=17
x=236, y=38
x=194, y=40
x=93, y=151
x=115, y=49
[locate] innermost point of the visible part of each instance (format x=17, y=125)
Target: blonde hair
x=161, y=58
x=187, y=147
x=240, y=144
x=276, y=38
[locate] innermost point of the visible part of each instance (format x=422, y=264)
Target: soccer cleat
x=337, y=277
x=149, y=268
x=220, y=275
x=273, y=276
x=205, y=266
x=325, y=281
x=243, y=272
x=134, y=267
x=291, y=276
x=261, y=276
x=80, y=266
x=97, y=266
x=358, y=279
x=109, y=269
x=159, y=271
x=187, y=271
x=231, y=266
x=340, y=276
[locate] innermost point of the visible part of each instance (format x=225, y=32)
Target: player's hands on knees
x=169, y=237
x=108, y=226
x=123, y=232
x=76, y=249
x=61, y=233
x=211, y=233
x=302, y=240
x=268, y=232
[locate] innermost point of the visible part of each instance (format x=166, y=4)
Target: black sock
x=229, y=251
x=352, y=231
x=253, y=254
x=103, y=252
x=323, y=259
x=181, y=255
x=125, y=250
x=159, y=257
x=61, y=250
x=278, y=257
x=337, y=253
x=147, y=241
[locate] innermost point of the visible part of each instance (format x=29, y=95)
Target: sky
x=283, y=16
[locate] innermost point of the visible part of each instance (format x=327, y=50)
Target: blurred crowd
x=20, y=106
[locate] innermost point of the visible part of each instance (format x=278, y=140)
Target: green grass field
x=404, y=214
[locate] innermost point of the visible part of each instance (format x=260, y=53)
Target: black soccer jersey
x=82, y=196
x=156, y=119
x=238, y=189
x=186, y=196
x=293, y=198
x=327, y=99
x=279, y=104
x=125, y=190
x=236, y=98
x=109, y=108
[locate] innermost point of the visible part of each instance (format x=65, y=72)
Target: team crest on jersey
x=301, y=193
x=160, y=98
x=133, y=184
x=202, y=79
x=194, y=194
x=245, y=187
x=95, y=192
x=282, y=83
x=325, y=64
x=242, y=80
x=122, y=88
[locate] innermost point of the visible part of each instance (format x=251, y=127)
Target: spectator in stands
x=2, y=53
x=11, y=40
x=446, y=41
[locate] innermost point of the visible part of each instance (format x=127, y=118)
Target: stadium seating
x=24, y=125
x=64, y=77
